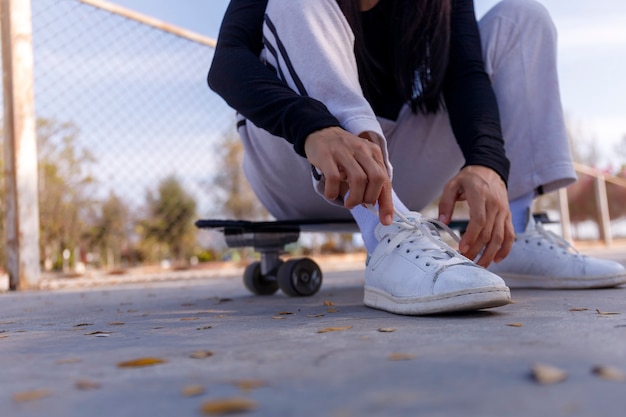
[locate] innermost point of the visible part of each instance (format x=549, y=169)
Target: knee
x=528, y=14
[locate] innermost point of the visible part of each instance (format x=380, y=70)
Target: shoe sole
x=556, y=283
x=467, y=300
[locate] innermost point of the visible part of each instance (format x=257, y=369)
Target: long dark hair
x=421, y=53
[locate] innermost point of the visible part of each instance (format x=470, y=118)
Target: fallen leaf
x=224, y=300
x=116, y=323
x=401, y=357
x=548, y=374
x=606, y=313
x=140, y=363
x=329, y=304
x=85, y=385
x=387, y=330
x=83, y=325
x=578, y=309
x=4, y=336
x=334, y=329
x=26, y=396
x=332, y=310
x=609, y=373
x=190, y=319
x=278, y=317
x=98, y=333
x=247, y=385
x=192, y=391
x=515, y=325
x=314, y=316
x=187, y=305
x=201, y=354
x=68, y=361
x=285, y=313
x=204, y=328
x=158, y=328
x=227, y=406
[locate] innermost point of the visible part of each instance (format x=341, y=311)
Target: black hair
x=421, y=52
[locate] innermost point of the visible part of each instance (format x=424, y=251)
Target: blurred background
x=133, y=147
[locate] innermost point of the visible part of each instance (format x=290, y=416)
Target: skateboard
x=301, y=277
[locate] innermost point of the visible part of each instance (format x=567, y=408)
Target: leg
x=519, y=44
x=519, y=47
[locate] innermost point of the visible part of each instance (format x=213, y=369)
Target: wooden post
x=602, y=206
x=566, y=225
x=20, y=146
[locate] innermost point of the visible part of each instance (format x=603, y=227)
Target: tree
x=64, y=187
x=235, y=196
x=109, y=233
x=170, y=218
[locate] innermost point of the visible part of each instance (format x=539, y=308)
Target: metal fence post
x=22, y=205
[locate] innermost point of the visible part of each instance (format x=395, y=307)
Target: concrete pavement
x=60, y=353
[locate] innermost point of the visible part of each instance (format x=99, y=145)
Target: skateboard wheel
x=256, y=283
x=299, y=277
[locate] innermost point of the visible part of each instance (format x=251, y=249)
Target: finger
x=495, y=241
x=507, y=243
x=385, y=205
x=479, y=225
x=447, y=202
x=357, y=182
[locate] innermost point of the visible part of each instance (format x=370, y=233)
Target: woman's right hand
x=353, y=163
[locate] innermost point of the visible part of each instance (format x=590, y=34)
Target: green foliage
x=168, y=229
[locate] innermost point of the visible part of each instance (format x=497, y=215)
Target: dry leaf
x=85, y=385
x=201, y=354
x=278, y=317
x=68, y=361
x=116, y=323
x=285, y=313
x=26, y=396
x=515, y=325
x=387, y=330
x=192, y=391
x=247, y=385
x=606, y=313
x=190, y=319
x=334, y=329
x=158, y=328
x=98, y=333
x=227, y=406
x=578, y=309
x=140, y=363
x=609, y=373
x=548, y=374
x=3, y=336
x=314, y=316
x=187, y=305
x=332, y=310
x=329, y=304
x=204, y=328
x=83, y=325
x=401, y=357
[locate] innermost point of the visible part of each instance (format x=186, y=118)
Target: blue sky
x=592, y=57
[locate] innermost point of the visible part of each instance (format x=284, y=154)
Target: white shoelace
x=555, y=239
x=414, y=227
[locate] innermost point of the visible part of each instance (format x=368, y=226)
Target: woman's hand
x=490, y=228
x=353, y=163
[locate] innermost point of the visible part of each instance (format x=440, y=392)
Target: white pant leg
x=519, y=45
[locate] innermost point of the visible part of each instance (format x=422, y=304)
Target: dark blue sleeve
x=469, y=96
x=253, y=89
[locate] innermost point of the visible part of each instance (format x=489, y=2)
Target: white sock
x=519, y=211
x=368, y=220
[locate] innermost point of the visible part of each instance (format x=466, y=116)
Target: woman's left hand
x=490, y=228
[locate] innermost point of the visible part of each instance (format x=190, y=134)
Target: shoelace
x=554, y=239
x=416, y=226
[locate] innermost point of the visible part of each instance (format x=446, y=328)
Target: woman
x=345, y=90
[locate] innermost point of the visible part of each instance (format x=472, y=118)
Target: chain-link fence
x=129, y=137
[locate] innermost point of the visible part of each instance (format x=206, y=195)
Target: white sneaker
x=412, y=271
x=542, y=259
